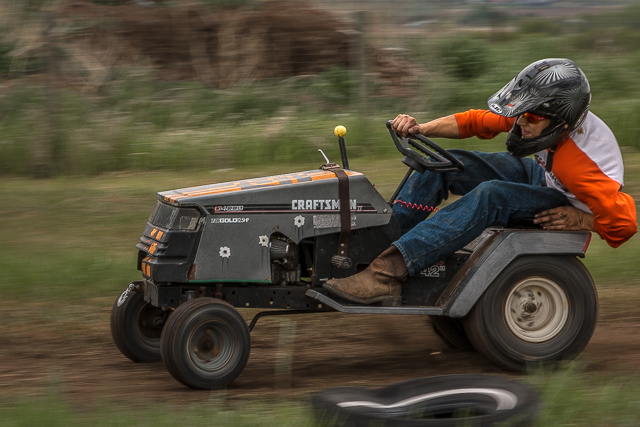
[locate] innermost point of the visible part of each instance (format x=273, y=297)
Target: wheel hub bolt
x=530, y=307
x=158, y=322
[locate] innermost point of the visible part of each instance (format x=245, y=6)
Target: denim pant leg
x=493, y=194
x=424, y=192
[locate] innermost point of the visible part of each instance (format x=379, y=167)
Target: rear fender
x=496, y=249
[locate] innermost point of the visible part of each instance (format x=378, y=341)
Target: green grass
x=574, y=398
x=53, y=411
x=135, y=123
x=569, y=397
x=71, y=238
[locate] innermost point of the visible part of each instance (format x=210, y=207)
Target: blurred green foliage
x=207, y=2
x=483, y=15
x=231, y=2
x=5, y=59
x=54, y=411
x=574, y=397
x=464, y=57
x=131, y=121
x=110, y=2
x=569, y=397
x=335, y=85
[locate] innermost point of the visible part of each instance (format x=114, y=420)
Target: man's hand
x=405, y=125
x=564, y=218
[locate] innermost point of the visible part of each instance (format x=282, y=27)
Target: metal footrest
x=371, y=309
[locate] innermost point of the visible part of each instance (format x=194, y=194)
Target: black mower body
x=517, y=295
x=268, y=243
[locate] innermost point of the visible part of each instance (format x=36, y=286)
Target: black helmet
x=556, y=88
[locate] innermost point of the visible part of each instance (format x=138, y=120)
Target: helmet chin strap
x=552, y=151
x=550, y=154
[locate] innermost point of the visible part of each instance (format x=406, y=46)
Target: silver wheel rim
x=536, y=310
x=211, y=346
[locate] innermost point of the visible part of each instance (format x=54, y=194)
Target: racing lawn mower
x=518, y=295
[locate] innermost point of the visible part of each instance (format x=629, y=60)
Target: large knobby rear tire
x=205, y=344
x=136, y=325
x=539, y=310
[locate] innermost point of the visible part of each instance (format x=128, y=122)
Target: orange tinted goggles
x=534, y=119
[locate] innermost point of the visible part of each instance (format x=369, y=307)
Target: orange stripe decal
x=254, y=183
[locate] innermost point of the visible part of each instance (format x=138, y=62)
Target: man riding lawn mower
x=325, y=240
x=574, y=181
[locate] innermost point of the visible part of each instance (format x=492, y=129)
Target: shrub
x=464, y=57
x=5, y=59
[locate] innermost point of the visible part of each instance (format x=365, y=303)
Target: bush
x=5, y=59
x=539, y=26
x=335, y=84
x=466, y=57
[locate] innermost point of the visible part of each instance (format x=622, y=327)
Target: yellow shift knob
x=340, y=131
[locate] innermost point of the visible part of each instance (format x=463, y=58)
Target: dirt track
x=70, y=348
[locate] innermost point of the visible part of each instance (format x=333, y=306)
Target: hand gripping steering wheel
x=429, y=155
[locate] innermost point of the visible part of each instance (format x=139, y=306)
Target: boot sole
x=386, y=300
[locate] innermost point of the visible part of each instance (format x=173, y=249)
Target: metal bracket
x=275, y=313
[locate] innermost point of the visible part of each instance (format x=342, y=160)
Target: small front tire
x=136, y=325
x=205, y=344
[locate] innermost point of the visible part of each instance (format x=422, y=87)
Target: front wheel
x=205, y=344
x=136, y=325
x=540, y=309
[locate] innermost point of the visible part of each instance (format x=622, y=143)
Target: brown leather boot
x=380, y=282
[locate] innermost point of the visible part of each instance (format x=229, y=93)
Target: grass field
x=569, y=399
x=67, y=242
x=70, y=240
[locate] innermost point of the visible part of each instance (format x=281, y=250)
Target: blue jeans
x=496, y=188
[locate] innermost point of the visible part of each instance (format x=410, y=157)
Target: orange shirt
x=587, y=169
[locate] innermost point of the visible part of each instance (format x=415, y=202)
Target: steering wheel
x=429, y=155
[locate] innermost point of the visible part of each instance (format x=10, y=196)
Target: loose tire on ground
x=451, y=331
x=136, y=325
x=539, y=310
x=443, y=401
x=205, y=344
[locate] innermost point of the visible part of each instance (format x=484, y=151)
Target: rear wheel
x=540, y=309
x=205, y=344
x=136, y=325
x=451, y=331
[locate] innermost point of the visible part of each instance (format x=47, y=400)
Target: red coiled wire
x=416, y=206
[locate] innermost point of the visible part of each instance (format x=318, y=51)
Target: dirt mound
x=217, y=46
